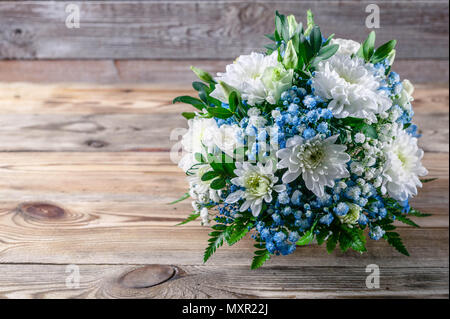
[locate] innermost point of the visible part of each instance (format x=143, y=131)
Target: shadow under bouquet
x=311, y=140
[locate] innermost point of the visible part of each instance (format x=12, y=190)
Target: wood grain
x=218, y=30
x=105, y=211
x=103, y=281
x=168, y=73
x=80, y=118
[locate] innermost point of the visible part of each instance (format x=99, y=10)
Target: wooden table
x=85, y=176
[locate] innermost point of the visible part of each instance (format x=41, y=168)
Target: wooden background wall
x=156, y=41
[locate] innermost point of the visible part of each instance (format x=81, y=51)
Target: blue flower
x=376, y=233
x=283, y=197
x=309, y=133
x=326, y=219
x=326, y=114
x=279, y=237
x=293, y=237
x=309, y=101
x=341, y=209
x=362, y=219
x=322, y=127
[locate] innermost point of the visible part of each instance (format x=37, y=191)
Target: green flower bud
x=202, y=75
x=352, y=216
x=290, y=56
x=292, y=25
x=227, y=89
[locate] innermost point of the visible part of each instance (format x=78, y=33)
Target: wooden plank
x=167, y=73
x=104, y=281
x=117, y=189
x=111, y=208
x=208, y=30
x=108, y=118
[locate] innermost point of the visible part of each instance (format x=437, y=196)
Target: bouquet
x=311, y=140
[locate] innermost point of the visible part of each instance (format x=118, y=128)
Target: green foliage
x=427, y=180
x=188, y=115
x=261, y=256
x=406, y=220
x=308, y=237
x=383, y=51
x=182, y=198
x=220, y=112
x=332, y=242
x=416, y=213
x=190, y=218
x=237, y=231
x=358, y=125
x=369, y=54
x=395, y=241
x=198, y=104
x=216, y=239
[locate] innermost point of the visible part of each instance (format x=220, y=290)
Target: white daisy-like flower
x=319, y=162
x=346, y=47
x=403, y=166
x=200, y=190
x=199, y=135
x=258, y=182
x=226, y=138
x=352, y=88
x=247, y=75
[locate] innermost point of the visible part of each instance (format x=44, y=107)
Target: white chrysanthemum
x=226, y=138
x=258, y=183
x=200, y=190
x=403, y=166
x=346, y=47
x=200, y=134
x=351, y=87
x=257, y=77
x=319, y=162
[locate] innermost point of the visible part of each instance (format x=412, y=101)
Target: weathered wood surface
x=168, y=73
x=204, y=29
x=139, y=118
x=105, y=211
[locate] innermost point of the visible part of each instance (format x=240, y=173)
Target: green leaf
x=261, y=256
x=328, y=51
x=327, y=42
x=220, y=112
x=406, y=220
x=188, y=115
x=308, y=237
x=309, y=22
x=198, y=104
x=218, y=183
x=233, y=101
x=191, y=218
x=369, y=46
x=270, y=36
x=395, y=241
x=369, y=131
x=203, y=75
x=383, y=51
x=237, y=233
x=209, y=175
x=332, y=242
x=182, y=198
x=358, y=240
x=215, y=242
x=427, y=180
x=417, y=213
x=316, y=39
x=199, y=86
x=199, y=158
x=345, y=241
